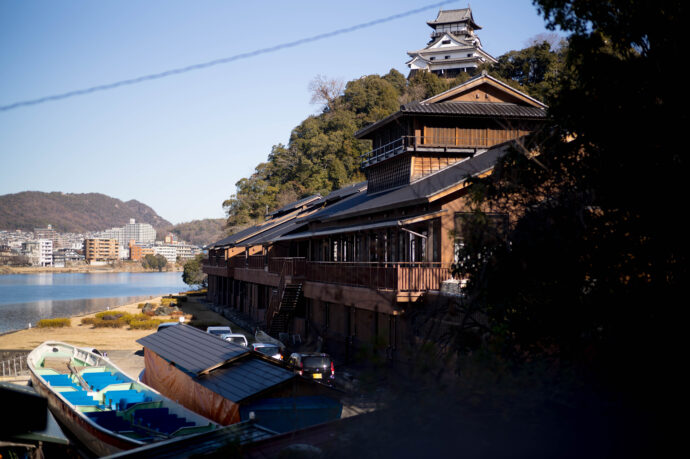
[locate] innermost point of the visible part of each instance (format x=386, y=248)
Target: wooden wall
x=425, y=165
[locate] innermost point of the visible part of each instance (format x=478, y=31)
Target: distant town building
x=141, y=233
x=101, y=250
x=169, y=251
x=66, y=256
x=187, y=251
x=47, y=233
x=137, y=252
x=454, y=47
x=45, y=252
x=39, y=253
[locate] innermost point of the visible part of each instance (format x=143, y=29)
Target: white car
x=220, y=332
x=237, y=338
x=268, y=349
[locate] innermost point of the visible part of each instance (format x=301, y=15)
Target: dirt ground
x=108, y=339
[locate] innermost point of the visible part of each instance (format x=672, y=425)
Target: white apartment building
x=45, y=252
x=169, y=251
x=141, y=233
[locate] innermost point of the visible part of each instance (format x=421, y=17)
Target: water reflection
x=28, y=298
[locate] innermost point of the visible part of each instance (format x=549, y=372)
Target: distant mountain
x=197, y=232
x=72, y=213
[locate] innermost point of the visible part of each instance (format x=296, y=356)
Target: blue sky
x=179, y=144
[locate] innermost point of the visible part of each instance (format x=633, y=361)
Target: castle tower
x=454, y=46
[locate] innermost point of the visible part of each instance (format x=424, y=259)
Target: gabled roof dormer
x=484, y=88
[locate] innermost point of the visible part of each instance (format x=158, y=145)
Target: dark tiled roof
x=191, y=349
x=447, y=16
x=421, y=190
x=274, y=233
x=244, y=378
x=235, y=237
x=492, y=109
x=295, y=205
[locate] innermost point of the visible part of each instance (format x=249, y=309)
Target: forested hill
x=322, y=154
x=197, y=232
x=73, y=213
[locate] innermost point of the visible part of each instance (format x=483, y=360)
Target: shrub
x=88, y=320
x=168, y=301
x=109, y=315
x=141, y=305
x=144, y=324
x=58, y=322
x=100, y=323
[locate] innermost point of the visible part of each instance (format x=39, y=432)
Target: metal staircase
x=280, y=319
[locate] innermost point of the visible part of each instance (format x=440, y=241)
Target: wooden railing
x=256, y=262
x=216, y=260
x=239, y=261
x=404, y=277
x=276, y=298
x=447, y=142
x=420, y=278
x=291, y=266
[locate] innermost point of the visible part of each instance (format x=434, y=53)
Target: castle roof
x=451, y=16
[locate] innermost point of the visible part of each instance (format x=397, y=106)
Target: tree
x=325, y=91
x=193, y=274
x=593, y=266
x=151, y=261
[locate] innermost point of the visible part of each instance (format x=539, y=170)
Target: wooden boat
x=104, y=408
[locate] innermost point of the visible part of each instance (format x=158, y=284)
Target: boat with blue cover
x=104, y=408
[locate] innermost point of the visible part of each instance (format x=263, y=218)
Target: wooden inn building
x=347, y=266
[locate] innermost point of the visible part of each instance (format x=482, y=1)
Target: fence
x=14, y=367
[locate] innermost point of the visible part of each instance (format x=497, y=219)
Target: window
x=445, y=42
x=432, y=58
x=447, y=57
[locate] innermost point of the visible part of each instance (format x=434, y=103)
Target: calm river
x=27, y=298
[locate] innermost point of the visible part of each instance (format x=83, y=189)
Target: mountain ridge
x=72, y=212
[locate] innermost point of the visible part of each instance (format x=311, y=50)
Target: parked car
x=313, y=365
x=237, y=338
x=269, y=349
x=220, y=332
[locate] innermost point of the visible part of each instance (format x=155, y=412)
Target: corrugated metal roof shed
x=192, y=349
x=242, y=379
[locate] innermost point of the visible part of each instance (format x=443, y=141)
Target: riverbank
x=104, y=338
x=121, y=267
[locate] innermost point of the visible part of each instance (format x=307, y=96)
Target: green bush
x=58, y=322
x=100, y=323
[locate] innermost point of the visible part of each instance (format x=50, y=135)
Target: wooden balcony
x=400, y=277
x=215, y=270
x=460, y=144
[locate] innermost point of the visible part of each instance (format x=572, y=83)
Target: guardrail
x=15, y=366
x=438, y=142
x=403, y=277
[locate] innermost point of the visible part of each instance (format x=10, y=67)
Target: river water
x=28, y=298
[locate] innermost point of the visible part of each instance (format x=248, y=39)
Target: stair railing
x=274, y=304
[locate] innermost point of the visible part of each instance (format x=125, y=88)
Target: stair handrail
x=274, y=304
